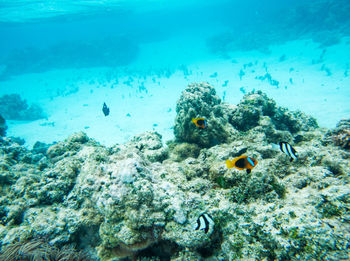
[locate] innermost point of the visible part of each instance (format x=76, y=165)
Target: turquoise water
x=102, y=156
x=132, y=54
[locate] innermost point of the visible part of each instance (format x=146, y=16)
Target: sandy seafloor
x=142, y=96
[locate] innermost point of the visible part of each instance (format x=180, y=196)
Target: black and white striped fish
x=204, y=222
x=286, y=148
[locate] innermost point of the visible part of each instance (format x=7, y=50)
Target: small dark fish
x=105, y=109
x=204, y=222
x=286, y=148
x=241, y=163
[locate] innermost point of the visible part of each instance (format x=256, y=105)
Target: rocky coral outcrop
x=200, y=100
x=256, y=106
x=142, y=199
x=150, y=144
x=225, y=121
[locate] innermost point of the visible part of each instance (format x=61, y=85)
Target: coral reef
x=141, y=200
x=182, y=151
x=256, y=107
x=3, y=127
x=224, y=121
x=200, y=100
x=12, y=107
x=341, y=134
x=150, y=144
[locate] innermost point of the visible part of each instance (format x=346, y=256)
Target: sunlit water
x=70, y=57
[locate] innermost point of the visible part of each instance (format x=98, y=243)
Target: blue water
x=61, y=60
x=223, y=22
x=56, y=53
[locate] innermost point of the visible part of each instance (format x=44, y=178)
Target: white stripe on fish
x=204, y=222
x=289, y=150
x=286, y=148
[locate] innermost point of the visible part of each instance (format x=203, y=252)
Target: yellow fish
x=241, y=163
x=200, y=122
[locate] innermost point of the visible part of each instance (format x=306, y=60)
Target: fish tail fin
x=229, y=164
x=275, y=146
x=193, y=120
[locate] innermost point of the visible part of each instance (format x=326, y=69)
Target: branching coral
x=68, y=253
x=29, y=250
x=40, y=251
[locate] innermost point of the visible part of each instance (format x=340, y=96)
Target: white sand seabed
x=318, y=85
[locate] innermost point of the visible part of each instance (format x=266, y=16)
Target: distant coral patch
x=13, y=107
x=115, y=51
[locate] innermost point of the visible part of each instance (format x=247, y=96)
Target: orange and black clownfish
x=242, y=162
x=200, y=122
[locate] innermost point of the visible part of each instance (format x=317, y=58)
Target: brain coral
x=200, y=100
